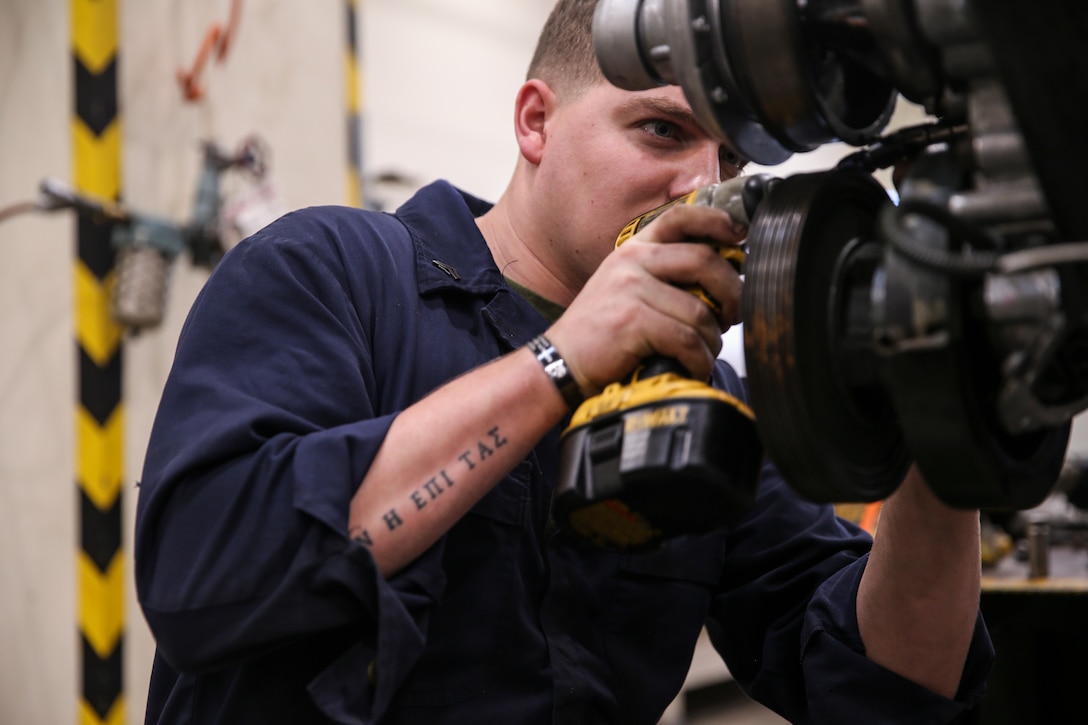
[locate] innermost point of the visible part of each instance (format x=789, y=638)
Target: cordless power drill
x=663, y=454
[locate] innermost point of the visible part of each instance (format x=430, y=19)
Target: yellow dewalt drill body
x=662, y=454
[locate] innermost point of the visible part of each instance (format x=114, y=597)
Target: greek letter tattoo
x=496, y=438
x=482, y=449
x=441, y=482
x=392, y=520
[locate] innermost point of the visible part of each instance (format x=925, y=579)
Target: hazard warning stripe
x=353, y=100
x=99, y=415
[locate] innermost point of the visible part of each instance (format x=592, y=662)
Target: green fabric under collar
x=550, y=310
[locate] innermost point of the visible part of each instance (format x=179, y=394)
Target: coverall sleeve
x=785, y=621
x=267, y=424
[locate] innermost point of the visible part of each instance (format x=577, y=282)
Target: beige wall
x=439, y=78
x=37, y=565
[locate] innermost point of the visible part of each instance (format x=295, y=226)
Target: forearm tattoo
x=437, y=485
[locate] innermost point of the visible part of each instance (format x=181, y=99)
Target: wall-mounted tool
x=146, y=244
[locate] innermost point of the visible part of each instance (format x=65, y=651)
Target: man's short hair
x=564, y=57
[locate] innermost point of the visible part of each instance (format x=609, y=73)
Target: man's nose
x=701, y=168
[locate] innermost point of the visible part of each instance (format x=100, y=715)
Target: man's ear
x=534, y=105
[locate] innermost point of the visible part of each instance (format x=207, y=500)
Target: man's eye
x=664, y=129
x=732, y=158
x=732, y=164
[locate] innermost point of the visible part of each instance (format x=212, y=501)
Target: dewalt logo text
x=673, y=415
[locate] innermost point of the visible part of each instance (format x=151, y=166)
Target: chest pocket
x=478, y=614
x=656, y=613
x=508, y=502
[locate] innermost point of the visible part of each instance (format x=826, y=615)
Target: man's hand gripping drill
x=662, y=453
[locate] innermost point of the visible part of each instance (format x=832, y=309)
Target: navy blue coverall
x=305, y=343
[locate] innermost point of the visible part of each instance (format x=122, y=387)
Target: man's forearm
x=445, y=452
x=918, y=598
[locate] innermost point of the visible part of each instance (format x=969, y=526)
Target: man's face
x=611, y=155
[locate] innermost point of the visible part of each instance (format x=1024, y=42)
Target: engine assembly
x=950, y=328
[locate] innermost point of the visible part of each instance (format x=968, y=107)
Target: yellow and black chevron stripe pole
x=96, y=140
x=353, y=94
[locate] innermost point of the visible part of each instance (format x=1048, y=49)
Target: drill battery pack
x=655, y=458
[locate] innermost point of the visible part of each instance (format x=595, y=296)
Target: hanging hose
x=13, y=210
x=216, y=42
